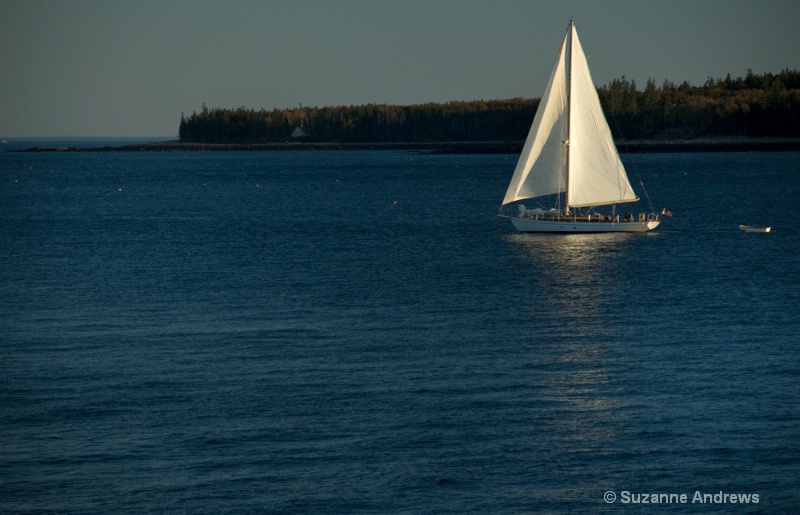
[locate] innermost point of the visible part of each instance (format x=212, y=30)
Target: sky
x=121, y=68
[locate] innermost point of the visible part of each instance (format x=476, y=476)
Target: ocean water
x=356, y=332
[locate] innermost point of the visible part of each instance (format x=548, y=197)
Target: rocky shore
x=490, y=147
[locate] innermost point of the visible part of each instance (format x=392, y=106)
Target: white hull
x=750, y=228
x=581, y=226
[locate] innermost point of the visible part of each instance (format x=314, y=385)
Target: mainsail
x=569, y=147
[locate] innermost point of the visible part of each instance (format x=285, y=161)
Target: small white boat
x=753, y=228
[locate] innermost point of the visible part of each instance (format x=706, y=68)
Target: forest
x=757, y=105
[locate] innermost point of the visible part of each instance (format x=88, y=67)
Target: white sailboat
x=570, y=158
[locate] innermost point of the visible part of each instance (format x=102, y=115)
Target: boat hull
x=581, y=226
x=751, y=228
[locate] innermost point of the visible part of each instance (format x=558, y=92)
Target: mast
x=569, y=111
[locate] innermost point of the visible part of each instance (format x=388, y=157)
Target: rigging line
x=647, y=196
x=628, y=151
x=619, y=130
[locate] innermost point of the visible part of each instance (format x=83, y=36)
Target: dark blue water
x=337, y=332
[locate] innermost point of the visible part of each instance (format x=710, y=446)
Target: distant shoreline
x=486, y=147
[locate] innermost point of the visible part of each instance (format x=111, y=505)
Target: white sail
x=541, y=169
x=570, y=120
x=596, y=174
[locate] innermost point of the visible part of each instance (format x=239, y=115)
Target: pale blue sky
x=117, y=68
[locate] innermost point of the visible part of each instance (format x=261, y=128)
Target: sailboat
x=569, y=157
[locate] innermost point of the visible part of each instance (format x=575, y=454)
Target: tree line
x=757, y=105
